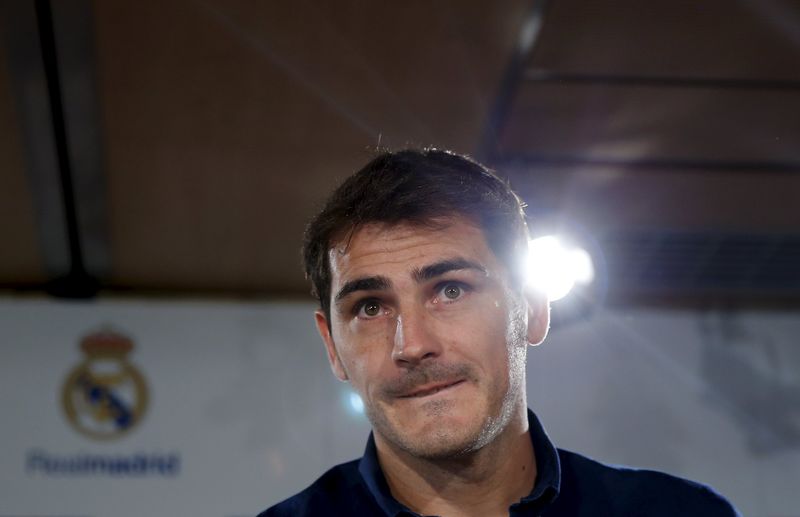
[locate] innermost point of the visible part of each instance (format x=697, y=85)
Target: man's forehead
x=396, y=230
x=406, y=247
x=378, y=236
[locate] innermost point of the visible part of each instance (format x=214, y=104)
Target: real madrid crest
x=105, y=396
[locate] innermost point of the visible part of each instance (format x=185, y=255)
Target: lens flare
x=555, y=268
x=356, y=404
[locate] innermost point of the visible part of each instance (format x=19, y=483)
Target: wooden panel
x=603, y=199
x=713, y=38
x=20, y=258
x=228, y=122
x=628, y=122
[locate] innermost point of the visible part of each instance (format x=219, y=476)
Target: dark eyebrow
x=370, y=283
x=439, y=268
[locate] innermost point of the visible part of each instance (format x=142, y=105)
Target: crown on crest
x=106, y=342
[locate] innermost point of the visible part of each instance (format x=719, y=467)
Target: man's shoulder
x=337, y=489
x=640, y=490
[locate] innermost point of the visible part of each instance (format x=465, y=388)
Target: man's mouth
x=430, y=389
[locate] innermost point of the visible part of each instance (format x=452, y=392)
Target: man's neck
x=484, y=483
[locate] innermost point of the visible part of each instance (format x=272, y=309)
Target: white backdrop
x=242, y=394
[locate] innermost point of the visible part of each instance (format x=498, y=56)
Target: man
x=417, y=261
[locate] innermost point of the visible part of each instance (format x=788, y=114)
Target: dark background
x=180, y=147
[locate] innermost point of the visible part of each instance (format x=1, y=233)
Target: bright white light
x=555, y=269
x=581, y=265
x=356, y=404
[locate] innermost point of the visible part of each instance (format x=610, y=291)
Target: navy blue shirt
x=567, y=484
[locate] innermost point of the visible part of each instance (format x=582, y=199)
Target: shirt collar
x=371, y=471
x=545, y=490
x=548, y=466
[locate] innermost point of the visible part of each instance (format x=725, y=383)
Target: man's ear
x=538, y=316
x=333, y=356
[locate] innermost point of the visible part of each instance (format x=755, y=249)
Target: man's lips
x=430, y=389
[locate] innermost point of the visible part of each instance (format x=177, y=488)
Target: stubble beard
x=449, y=442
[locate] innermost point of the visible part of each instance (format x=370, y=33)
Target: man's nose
x=414, y=339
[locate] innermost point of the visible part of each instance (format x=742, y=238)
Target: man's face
x=427, y=331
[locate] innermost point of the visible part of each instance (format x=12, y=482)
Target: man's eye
x=451, y=292
x=370, y=309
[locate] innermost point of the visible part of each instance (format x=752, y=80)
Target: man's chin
x=439, y=448
x=436, y=433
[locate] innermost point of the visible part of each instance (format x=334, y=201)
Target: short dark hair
x=422, y=187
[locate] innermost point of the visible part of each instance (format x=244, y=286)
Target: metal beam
x=30, y=89
x=50, y=61
x=528, y=159
x=74, y=31
x=526, y=44
x=658, y=81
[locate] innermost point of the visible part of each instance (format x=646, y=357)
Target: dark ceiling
x=179, y=147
